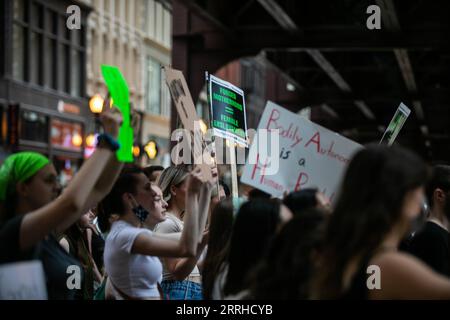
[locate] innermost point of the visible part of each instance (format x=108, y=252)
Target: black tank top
x=358, y=287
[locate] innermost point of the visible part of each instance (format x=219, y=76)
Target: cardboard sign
x=227, y=105
x=118, y=89
x=182, y=98
x=22, y=281
x=308, y=155
x=396, y=124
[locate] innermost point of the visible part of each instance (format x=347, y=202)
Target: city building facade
x=43, y=102
x=134, y=35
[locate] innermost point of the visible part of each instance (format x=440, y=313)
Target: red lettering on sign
x=316, y=140
x=255, y=167
x=301, y=180
x=272, y=118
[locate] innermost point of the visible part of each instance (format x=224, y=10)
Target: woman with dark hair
x=255, y=225
x=75, y=241
x=286, y=271
x=153, y=172
x=133, y=207
x=32, y=213
x=299, y=201
x=220, y=228
x=382, y=192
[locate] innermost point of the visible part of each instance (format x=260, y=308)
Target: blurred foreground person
x=286, y=272
x=255, y=225
x=31, y=213
x=382, y=192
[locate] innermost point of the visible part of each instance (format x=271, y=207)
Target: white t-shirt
x=172, y=225
x=136, y=275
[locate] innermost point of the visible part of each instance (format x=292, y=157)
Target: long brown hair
x=369, y=205
x=219, y=236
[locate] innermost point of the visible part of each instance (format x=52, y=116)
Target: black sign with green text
x=227, y=104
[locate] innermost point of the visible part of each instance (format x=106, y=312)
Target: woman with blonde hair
x=181, y=277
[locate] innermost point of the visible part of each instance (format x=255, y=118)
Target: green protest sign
x=227, y=105
x=118, y=89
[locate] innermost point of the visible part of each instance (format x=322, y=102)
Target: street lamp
x=77, y=140
x=96, y=106
x=203, y=126
x=151, y=149
x=90, y=140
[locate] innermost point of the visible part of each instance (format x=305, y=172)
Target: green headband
x=18, y=168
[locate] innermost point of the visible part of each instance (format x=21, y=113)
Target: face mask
x=141, y=213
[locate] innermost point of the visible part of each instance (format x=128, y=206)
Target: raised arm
x=100, y=170
x=182, y=267
x=156, y=245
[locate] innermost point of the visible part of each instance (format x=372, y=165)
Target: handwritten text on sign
x=309, y=155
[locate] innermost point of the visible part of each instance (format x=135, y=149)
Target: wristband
x=109, y=141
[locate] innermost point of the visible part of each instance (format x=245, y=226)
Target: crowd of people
x=172, y=234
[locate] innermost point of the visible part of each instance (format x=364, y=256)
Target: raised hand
x=111, y=119
x=195, y=180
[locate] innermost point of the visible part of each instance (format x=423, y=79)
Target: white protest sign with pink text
x=308, y=155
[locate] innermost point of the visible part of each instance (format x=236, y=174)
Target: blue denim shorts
x=181, y=290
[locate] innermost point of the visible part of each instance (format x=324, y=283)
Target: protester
x=299, y=201
x=431, y=244
x=286, y=271
x=153, y=172
x=255, y=225
x=31, y=211
x=382, y=192
x=181, y=277
x=75, y=242
x=96, y=242
x=220, y=227
x=131, y=252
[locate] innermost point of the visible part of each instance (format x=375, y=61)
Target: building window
x=158, y=21
x=66, y=135
x=33, y=126
x=45, y=52
x=148, y=24
x=18, y=48
x=153, y=86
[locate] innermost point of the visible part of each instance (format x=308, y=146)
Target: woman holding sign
x=31, y=210
x=381, y=194
x=181, y=278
